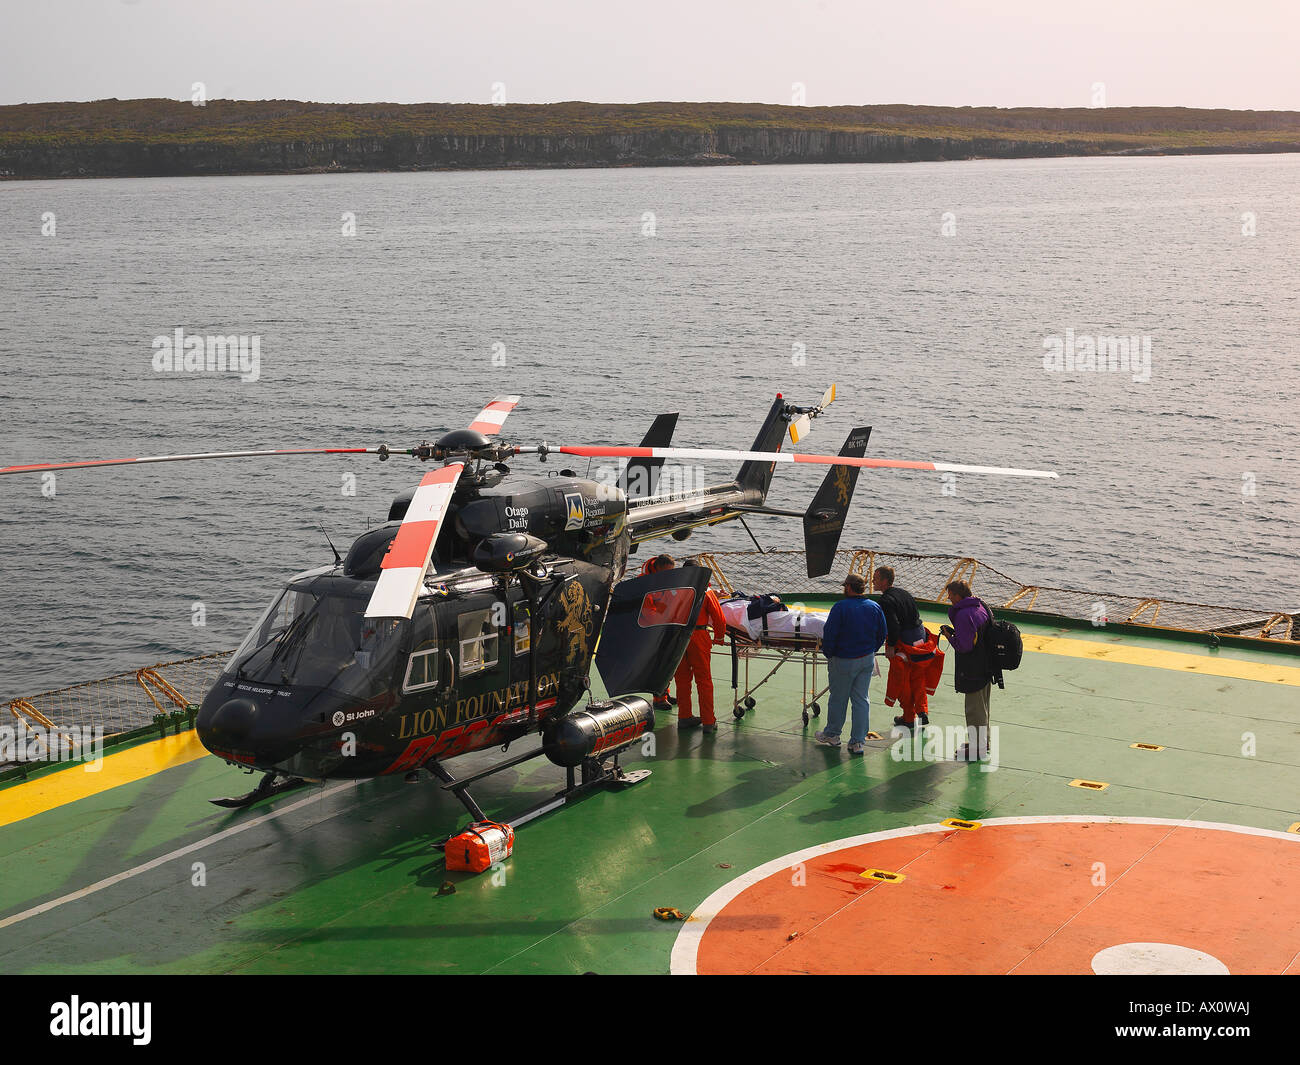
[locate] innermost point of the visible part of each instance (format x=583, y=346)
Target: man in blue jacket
x=854, y=632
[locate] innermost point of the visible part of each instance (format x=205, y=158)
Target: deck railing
x=154, y=694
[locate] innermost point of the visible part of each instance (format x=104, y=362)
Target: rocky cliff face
x=406, y=152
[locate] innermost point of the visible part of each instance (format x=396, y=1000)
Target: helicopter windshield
x=322, y=641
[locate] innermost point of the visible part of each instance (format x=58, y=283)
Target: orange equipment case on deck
x=479, y=847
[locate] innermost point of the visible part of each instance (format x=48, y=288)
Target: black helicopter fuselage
x=318, y=690
x=501, y=639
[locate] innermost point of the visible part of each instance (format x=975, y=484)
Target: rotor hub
x=459, y=440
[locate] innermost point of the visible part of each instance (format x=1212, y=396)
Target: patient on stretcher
x=765, y=617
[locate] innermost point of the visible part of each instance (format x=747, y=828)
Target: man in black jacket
x=901, y=615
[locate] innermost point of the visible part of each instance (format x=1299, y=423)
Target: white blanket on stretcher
x=782, y=624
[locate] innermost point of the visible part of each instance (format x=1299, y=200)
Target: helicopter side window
x=520, y=624
x=668, y=606
x=422, y=670
x=478, y=642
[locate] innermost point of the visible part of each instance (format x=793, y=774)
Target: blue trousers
x=850, y=678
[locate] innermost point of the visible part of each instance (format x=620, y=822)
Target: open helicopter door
x=649, y=624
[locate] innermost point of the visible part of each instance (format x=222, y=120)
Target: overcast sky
x=1194, y=53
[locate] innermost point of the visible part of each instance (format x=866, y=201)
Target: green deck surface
x=346, y=881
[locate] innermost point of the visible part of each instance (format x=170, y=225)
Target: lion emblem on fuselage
x=575, y=623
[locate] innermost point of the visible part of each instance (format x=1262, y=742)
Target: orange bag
x=479, y=847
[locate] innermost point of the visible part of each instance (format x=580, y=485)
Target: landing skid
x=266, y=786
x=594, y=774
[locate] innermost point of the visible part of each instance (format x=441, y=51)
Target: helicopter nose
x=230, y=724
x=253, y=733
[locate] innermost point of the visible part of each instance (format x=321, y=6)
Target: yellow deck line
x=68, y=785
x=1202, y=664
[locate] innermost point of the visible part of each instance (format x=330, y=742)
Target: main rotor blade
x=403, y=569
x=788, y=456
x=48, y=466
x=493, y=416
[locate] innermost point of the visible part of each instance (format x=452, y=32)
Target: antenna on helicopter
x=337, y=557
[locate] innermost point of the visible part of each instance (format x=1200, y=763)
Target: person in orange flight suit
x=696, y=663
x=915, y=661
x=658, y=564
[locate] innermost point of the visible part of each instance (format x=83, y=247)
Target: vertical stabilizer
x=824, y=520
x=641, y=478
x=756, y=477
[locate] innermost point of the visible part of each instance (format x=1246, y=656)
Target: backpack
x=1003, y=645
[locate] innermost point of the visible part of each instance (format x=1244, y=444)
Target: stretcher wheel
x=749, y=703
x=805, y=719
x=738, y=712
x=817, y=710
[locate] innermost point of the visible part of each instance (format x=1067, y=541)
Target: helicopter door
x=649, y=624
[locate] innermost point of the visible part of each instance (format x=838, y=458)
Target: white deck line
x=118, y=878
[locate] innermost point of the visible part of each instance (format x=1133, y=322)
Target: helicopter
x=472, y=616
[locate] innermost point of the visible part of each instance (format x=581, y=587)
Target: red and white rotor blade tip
x=50, y=466
x=493, y=416
x=790, y=456
x=402, y=572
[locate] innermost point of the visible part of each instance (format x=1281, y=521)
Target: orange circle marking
x=1019, y=895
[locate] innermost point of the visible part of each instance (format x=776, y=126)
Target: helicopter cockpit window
x=321, y=641
x=288, y=608
x=422, y=670
x=520, y=623
x=478, y=642
x=668, y=606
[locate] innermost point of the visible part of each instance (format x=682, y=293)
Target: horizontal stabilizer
x=774, y=511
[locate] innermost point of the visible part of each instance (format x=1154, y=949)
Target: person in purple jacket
x=972, y=675
x=854, y=631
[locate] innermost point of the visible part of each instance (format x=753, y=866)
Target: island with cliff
x=146, y=138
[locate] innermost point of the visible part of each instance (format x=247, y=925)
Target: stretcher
x=776, y=638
